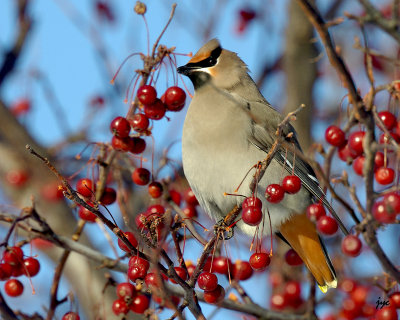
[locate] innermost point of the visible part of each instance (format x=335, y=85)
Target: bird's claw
x=225, y=232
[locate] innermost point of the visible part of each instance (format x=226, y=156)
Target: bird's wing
x=263, y=139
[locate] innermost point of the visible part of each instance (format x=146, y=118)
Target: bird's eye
x=212, y=61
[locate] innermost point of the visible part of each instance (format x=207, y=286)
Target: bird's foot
x=225, y=232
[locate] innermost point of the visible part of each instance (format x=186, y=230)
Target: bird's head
x=212, y=63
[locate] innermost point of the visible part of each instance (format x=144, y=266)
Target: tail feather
x=302, y=235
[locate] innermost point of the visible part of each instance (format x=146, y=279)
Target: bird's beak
x=187, y=69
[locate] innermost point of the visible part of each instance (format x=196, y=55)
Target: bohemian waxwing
x=229, y=128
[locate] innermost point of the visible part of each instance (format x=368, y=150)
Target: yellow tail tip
x=328, y=285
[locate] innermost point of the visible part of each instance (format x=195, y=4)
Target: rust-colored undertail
x=302, y=235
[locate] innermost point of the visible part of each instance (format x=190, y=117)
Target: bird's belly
x=219, y=166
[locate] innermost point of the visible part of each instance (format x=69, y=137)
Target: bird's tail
x=302, y=235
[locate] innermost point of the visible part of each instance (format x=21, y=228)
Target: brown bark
x=301, y=71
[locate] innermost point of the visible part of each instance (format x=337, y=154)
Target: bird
x=230, y=127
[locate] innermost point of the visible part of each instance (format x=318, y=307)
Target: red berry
x=381, y=214
x=31, y=266
x=247, y=14
x=151, y=280
x=86, y=214
x=392, y=202
x=214, y=296
x=141, y=176
x=120, y=127
x=131, y=238
x=395, y=299
x=360, y=295
x=385, y=139
x=147, y=94
x=138, y=260
x=139, y=122
x=292, y=258
x=388, y=119
x=181, y=272
x=221, y=265
x=252, y=202
x=386, y=313
x=241, y=270
x=125, y=290
x=97, y=101
x=140, y=304
x=104, y=11
x=137, y=146
x=175, y=197
x=351, y=246
x=207, y=281
x=356, y=142
x=335, y=136
x=13, y=288
x=275, y=279
x=136, y=271
x=291, y=184
x=156, y=209
x=17, y=177
x=13, y=256
x=358, y=165
x=350, y=309
x=252, y=216
x=85, y=187
x=274, y=193
x=379, y=160
x=190, y=197
x=109, y=196
x=190, y=268
x=155, y=189
x=384, y=175
x=259, y=261
x=122, y=144
x=71, y=316
x=190, y=212
x=20, y=107
x=6, y=271
x=119, y=306
x=347, y=285
x=52, y=192
x=346, y=154
x=292, y=291
x=174, y=98
x=155, y=111
x=327, y=225
x=315, y=211
x=278, y=301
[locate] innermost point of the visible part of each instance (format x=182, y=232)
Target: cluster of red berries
x=15, y=265
x=360, y=301
x=122, y=141
x=154, y=108
x=325, y=224
x=290, y=297
x=86, y=188
x=252, y=206
x=386, y=210
x=352, y=150
x=129, y=299
x=275, y=192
